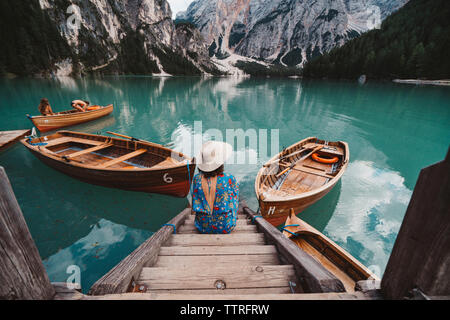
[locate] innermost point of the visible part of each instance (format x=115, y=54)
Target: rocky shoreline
x=423, y=82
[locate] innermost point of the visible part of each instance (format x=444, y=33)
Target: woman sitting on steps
x=215, y=194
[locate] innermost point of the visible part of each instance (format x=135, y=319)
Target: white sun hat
x=213, y=155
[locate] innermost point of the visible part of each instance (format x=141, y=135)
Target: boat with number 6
x=134, y=165
x=299, y=176
x=69, y=118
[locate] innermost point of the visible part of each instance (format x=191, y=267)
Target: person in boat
x=80, y=105
x=44, y=107
x=215, y=194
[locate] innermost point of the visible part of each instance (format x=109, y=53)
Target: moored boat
x=299, y=176
x=69, y=118
x=335, y=259
x=133, y=165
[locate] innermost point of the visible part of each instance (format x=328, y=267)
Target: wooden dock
x=7, y=138
x=255, y=261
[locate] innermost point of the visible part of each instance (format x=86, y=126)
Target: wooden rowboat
x=69, y=118
x=340, y=263
x=293, y=179
x=115, y=163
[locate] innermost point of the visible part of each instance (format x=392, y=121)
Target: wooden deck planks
x=190, y=263
x=233, y=239
x=218, y=250
x=240, y=228
x=7, y=138
x=204, y=277
x=222, y=260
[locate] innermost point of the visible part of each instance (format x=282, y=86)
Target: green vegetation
x=414, y=42
x=132, y=57
x=258, y=70
x=31, y=42
x=175, y=63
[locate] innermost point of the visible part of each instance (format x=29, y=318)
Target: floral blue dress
x=223, y=217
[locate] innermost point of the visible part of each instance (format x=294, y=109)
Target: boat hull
x=141, y=181
x=52, y=122
x=333, y=258
x=276, y=208
x=276, y=212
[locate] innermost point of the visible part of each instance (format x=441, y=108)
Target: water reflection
x=369, y=212
x=97, y=251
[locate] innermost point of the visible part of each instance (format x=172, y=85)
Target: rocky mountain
x=66, y=37
x=413, y=43
x=283, y=31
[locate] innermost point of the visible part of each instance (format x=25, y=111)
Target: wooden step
x=179, y=295
x=217, y=250
x=225, y=260
x=238, y=222
x=214, y=292
x=240, y=228
x=205, y=277
x=239, y=217
x=236, y=239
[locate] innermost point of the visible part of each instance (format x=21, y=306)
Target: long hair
x=44, y=103
x=214, y=173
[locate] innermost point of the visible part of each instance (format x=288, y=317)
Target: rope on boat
x=254, y=218
x=36, y=144
x=170, y=225
x=290, y=225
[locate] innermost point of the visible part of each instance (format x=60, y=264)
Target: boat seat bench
x=122, y=158
x=89, y=150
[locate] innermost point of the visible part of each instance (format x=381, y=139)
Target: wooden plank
x=236, y=239
x=240, y=228
x=89, y=150
x=122, y=158
x=217, y=250
x=421, y=256
x=7, y=138
x=205, y=278
x=312, y=171
x=239, y=217
x=215, y=292
x=22, y=275
x=239, y=259
x=163, y=295
x=312, y=275
x=238, y=221
x=119, y=278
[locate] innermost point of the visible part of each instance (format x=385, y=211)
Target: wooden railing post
x=420, y=259
x=22, y=274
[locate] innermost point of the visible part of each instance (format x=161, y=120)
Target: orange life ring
x=316, y=157
x=93, y=108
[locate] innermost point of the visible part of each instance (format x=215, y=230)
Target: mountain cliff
x=283, y=31
x=413, y=42
x=67, y=37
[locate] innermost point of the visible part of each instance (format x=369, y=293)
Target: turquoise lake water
x=393, y=131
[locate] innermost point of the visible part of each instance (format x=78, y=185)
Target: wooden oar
x=133, y=139
x=300, y=160
x=284, y=157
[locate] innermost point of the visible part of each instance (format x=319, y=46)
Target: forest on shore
x=413, y=42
